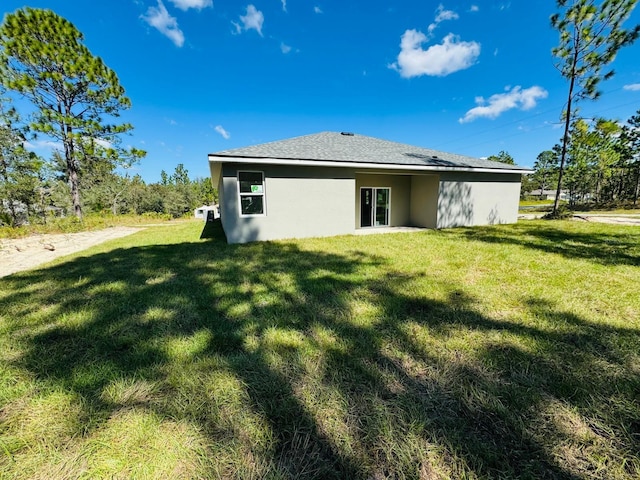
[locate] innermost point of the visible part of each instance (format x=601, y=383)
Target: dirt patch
x=620, y=219
x=21, y=254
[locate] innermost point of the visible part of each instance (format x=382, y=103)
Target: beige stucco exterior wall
x=300, y=202
x=478, y=199
x=306, y=201
x=400, y=202
x=424, y=201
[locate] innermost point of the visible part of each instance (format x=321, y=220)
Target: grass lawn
x=499, y=352
x=536, y=203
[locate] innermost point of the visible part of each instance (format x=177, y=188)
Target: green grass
x=89, y=222
x=498, y=352
x=536, y=203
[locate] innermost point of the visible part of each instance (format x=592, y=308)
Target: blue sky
x=469, y=77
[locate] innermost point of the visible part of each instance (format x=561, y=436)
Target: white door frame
x=373, y=210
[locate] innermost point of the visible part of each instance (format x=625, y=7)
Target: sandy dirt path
x=597, y=218
x=619, y=219
x=21, y=254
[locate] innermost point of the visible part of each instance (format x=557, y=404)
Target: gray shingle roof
x=338, y=147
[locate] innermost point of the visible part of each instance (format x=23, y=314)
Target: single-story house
x=549, y=194
x=333, y=183
x=206, y=212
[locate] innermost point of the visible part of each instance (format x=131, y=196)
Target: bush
x=13, y=232
x=613, y=205
x=534, y=198
x=155, y=216
x=562, y=213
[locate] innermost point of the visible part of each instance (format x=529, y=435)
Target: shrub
x=563, y=212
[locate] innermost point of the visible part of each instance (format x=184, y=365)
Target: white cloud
x=187, y=4
x=226, y=135
x=285, y=48
x=43, y=145
x=103, y=143
x=438, y=60
x=474, y=8
x=445, y=14
x=441, y=16
x=160, y=19
x=634, y=87
x=317, y=9
x=284, y=5
x=252, y=20
x=501, y=102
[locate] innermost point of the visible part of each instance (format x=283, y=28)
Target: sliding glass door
x=374, y=206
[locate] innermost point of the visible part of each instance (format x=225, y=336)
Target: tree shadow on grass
x=603, y=244
x=340, y=372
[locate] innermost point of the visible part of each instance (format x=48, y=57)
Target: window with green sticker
x=251, y=191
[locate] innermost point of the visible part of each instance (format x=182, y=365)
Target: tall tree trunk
x=75, y=193
x=43, y=207
x=72, y=166
x=565, y=137
x=567, y=122
x=114, y=207
x=563, y=155
x=619, y=191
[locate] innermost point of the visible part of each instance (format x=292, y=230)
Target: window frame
x=263, y=194
x=373, y=212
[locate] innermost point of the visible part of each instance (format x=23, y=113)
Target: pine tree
x=630, y=143
x=75, y=94
x=502, y=157
x=591, y=35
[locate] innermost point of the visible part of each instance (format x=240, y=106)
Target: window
x=251, y=191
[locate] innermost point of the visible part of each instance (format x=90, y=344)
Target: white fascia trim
x=338, y=164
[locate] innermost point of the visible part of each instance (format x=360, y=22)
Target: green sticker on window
x=256, y=188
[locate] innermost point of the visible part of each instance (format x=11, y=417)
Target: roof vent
x=348, y=134
x=434, y=156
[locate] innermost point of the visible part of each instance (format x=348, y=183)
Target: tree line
x=597, y=160
x=75, y=101
x=602, y=163
x=591, y=34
